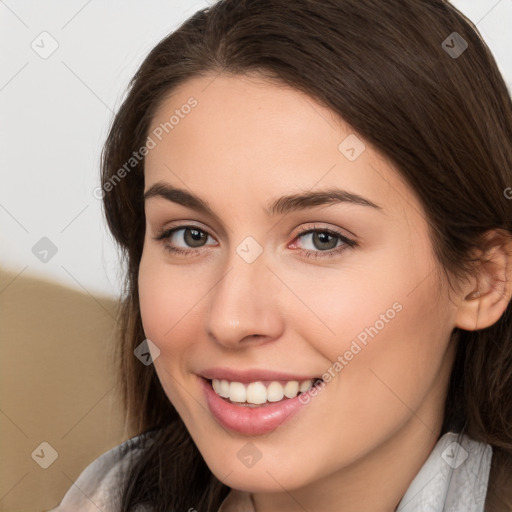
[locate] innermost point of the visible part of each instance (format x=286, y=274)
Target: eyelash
x=348, y=243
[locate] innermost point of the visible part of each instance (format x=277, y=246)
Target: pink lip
x=250, y=421
x=251, y=375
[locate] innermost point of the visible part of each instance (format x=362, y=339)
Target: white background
x=55, y=113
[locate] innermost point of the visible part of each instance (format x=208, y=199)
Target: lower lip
x=250, y=421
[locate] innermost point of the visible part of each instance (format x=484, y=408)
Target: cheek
x=385, y=333
x=166, y=292
x=398, y=372
x=168, y=302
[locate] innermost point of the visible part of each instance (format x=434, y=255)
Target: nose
x=244, y=305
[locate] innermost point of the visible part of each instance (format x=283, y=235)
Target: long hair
x=444, y=120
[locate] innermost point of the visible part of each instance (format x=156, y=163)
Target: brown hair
x=444, y=122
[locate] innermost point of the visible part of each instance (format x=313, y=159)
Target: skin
x=373, y=426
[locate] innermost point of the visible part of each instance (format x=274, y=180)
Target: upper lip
x=251, y=375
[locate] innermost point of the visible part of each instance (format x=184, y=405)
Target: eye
x=321, y=242
x=185, y=239
x=316, y=242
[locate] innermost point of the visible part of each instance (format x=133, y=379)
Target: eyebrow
x=281, y=205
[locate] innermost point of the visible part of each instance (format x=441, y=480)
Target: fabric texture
x=454, y=478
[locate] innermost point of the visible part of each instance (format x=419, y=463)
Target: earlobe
x=486, y=303
x=468, y=314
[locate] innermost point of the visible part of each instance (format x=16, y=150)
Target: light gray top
x=454, y=478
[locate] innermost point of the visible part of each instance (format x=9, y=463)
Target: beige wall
x=57, y=385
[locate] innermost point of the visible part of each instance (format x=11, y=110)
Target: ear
x=487, y=296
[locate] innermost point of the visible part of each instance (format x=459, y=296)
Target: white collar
x=454, y=477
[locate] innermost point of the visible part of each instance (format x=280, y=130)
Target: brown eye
x=321, y=243
x=185, y=238
x=324, y=241
x=319, y=240
x=194, y=237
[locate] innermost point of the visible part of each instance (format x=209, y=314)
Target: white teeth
x=224, y=388
x=237, y=392
x=221, y=387
x=257, y=393
x=275, y=392
x=305, y=386
x=291, y=389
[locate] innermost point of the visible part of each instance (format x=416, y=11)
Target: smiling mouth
x=260, y=393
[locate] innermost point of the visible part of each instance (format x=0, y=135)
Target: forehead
x=229, y=133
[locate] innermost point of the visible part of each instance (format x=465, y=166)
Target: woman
x=313, y=201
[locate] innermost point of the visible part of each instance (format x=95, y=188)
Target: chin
x=263, y=477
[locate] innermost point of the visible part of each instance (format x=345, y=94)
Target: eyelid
x=165, y=232
x=307, y=229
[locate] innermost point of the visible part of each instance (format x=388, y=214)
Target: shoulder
x=98, y=485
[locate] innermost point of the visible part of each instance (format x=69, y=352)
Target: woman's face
x=280, y=274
